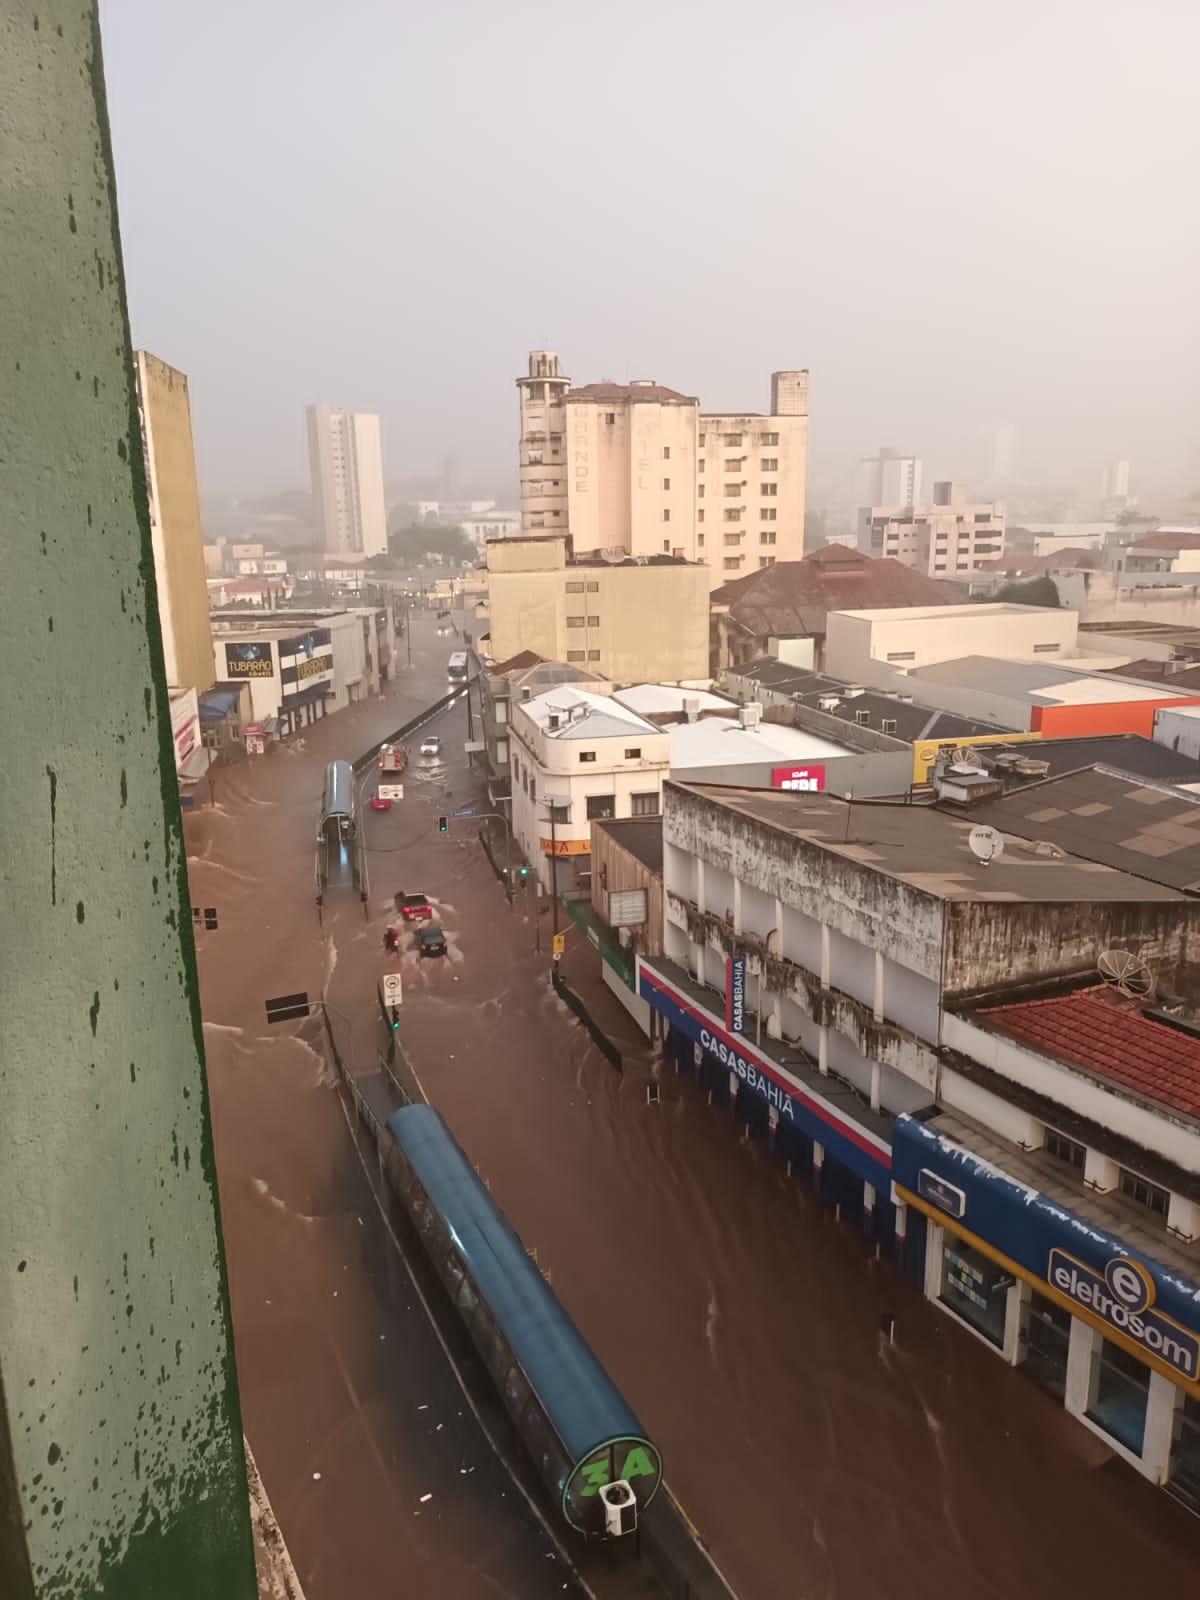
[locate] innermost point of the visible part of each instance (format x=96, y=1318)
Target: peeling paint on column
x=120, y=1432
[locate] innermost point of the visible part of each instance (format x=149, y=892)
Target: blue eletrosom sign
x=1145, y=1305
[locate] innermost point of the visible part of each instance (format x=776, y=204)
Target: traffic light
x=522, y=874
x=443, y=825
x=395, y=1016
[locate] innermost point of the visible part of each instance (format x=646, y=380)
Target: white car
x=431, y=745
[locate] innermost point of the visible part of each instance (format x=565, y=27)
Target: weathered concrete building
x=635, y=469
x=165, y=413
x=604, y=615
x=925, y=1037
x=858, y=925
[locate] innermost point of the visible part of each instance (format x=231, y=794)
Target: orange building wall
x=1110, y=716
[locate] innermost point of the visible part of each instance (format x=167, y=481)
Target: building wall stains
x=122, y=1437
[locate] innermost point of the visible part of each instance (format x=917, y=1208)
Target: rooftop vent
x=750, y=716
x=691, y=708
x=1029, y=768
x=829, y=702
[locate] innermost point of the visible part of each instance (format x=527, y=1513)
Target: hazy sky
x=952, y=212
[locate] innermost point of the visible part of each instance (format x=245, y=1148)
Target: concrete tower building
x=176, y=538
x=543, y=445
x=888, y=479
x=636, y=469
x=346, y=460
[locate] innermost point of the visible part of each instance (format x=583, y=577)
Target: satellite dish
x=1126, y=973
x=985, y=843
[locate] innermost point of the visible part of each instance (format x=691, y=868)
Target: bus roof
x=581, y=1400
x=339, y=789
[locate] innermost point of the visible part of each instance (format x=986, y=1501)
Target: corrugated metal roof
x=1148, y=829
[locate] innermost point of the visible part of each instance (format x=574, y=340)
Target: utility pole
x=553, y=865
x=408, y=624
x=470, y=724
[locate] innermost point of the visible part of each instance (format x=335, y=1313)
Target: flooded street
x=741, y=1322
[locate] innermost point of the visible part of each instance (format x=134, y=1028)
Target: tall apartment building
x=177, y=541
x=637, y=468
x=888, y=479
x=950, y=538
x=346, y=460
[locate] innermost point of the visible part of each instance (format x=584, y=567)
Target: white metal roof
x=722, y=741
x=582, y=715
x=651, y=698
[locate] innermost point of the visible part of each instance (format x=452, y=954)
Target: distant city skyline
x=421, y=302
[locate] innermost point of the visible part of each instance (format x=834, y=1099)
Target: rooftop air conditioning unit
x=1032, y=769
x=829, y=702
x=553, y=720
x=853, y=689
x=691, y=708
x=750, y=716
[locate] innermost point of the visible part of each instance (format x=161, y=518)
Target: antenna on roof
x=985, y=843
x=1126, y=973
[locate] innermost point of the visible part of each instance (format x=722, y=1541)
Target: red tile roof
x=630, y=391
x=1164, y=540
x=794, y=596
x=523, y=658
x=1095, y=1029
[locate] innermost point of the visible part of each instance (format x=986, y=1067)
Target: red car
x=414, y=907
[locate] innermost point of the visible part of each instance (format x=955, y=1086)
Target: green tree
x=421, y=540
x=1035, y=592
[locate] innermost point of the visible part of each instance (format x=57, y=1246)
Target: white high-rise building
x=1114, y=481
x=888, y=479
x=346, y=460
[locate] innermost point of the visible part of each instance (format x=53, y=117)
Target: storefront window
x=975, y=1288
x=1047, y=1340
x=1117, y=1395
x=1183, y=1477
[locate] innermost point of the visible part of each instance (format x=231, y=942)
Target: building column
x=825, y=955
x=114, y=1311
x=1164, y=1399
x=879, y=995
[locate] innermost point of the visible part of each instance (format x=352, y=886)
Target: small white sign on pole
x=390, y=791
x=392, y=989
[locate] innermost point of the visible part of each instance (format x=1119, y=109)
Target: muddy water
x=380, y=1478
x=738, y=1318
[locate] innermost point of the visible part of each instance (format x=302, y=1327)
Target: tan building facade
x=949, y=539
x=636, y=468
x=753, y=474
x=607, y=616
x=178, y=544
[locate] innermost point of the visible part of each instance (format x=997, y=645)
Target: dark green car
x=431, y=941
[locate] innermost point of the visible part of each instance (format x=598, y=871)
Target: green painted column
x=121, y=1467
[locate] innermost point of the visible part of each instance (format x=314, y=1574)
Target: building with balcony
x=925, y=1038
x=950, y=538
x=636, y=469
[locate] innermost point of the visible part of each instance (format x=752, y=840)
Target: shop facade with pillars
x=1108, y=1329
